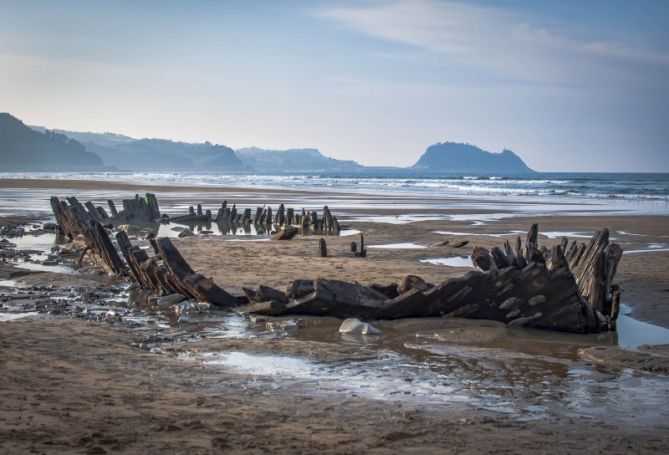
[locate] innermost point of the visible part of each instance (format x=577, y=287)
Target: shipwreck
x=568, y=287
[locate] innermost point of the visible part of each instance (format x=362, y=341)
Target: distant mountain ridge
x=36, y=148
x=165, y=155
x=292, y=160
x=106, y=139
x=128, y=153
x=458, y=157
x=23, y=149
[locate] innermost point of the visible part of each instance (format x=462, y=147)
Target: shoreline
x=356, y=203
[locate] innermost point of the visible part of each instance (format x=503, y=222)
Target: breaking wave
x=562, y=186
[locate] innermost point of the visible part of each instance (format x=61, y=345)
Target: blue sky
x=568, y=85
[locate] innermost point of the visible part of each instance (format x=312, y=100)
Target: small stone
x=113, y=316
x=357, y=327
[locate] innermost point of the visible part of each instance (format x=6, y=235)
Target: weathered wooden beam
x=481, y=258
x=192, y=283
x=112, y=207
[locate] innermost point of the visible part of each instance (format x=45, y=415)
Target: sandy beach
x=339, y=227
x=94, y=385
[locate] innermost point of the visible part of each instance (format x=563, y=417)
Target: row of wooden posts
x=308, y=221
x=139, y=210
x=359, y=253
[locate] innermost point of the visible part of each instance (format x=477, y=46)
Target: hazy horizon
x=567, y=87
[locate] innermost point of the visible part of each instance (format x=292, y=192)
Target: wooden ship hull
x=567, y=288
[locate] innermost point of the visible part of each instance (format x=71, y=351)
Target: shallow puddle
x=37, y=267
x=560, y=234
x=227, y=325
x=646, y=250
x=7, y=317
x=478, y=234
x=632, y=332
x=42, y=242
x=526, y=386
x=454, y=261
x=398, y=246
x=173, y=229
x=389, y=377
x=397, y=219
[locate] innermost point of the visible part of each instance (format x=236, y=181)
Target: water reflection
x=250, y=230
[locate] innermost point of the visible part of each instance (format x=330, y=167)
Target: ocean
x=540, y=193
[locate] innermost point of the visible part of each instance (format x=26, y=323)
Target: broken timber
x=72, y=217
x=165, y=272
x=168, y=272
x=525, y=286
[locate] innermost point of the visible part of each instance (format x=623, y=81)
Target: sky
x=568, y=85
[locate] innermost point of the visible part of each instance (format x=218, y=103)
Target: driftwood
x=323, y=248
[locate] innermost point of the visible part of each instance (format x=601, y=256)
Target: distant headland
x=455, y=157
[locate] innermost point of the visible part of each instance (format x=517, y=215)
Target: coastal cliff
x=22, y=148
x=456, y=157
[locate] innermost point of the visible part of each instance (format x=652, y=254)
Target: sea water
x=402, y=190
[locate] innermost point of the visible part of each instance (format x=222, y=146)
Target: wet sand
x=100, y=395
x=64, y=184
x=71, y=385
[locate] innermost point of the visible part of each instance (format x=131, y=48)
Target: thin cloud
x=493, y=39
